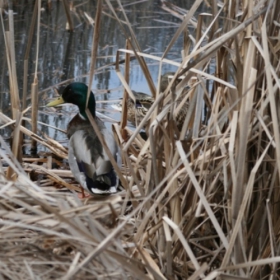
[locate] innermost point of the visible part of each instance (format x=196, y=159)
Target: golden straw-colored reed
x=199, y=202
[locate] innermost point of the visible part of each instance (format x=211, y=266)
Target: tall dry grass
x=199, y=203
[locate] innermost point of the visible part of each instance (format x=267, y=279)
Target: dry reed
x=200, y=203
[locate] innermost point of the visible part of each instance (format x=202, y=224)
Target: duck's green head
x=76, y=93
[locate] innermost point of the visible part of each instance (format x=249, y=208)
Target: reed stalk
x=34, y=86
x=125, y=93
x=70, y=26
x=14, y=94
x=26, y=55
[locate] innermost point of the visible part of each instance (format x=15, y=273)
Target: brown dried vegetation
x=201, y=202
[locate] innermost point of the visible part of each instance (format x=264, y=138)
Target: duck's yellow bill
x=56, y=102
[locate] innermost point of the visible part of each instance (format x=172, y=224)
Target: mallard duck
x=137, y=111
x=88, y=161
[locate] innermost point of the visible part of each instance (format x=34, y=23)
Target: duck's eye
x=138, y=104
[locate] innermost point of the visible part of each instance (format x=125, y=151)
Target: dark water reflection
x=64, y=55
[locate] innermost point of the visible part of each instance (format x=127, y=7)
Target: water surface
x=65, y=55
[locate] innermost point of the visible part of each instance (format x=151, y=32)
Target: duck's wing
x=89, y=162
x=78, y=175
x=144, y=99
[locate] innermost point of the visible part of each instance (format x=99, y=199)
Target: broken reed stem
x=68, y=15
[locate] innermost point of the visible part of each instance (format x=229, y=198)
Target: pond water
x=65, y=55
